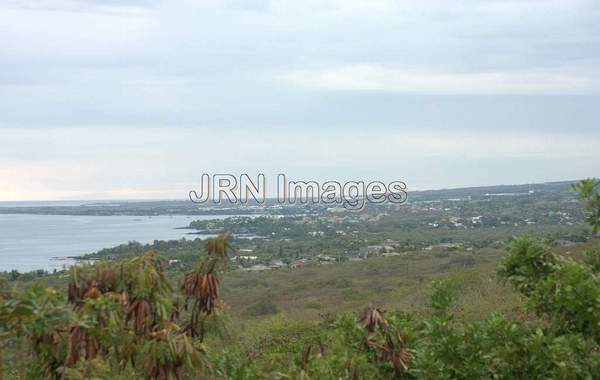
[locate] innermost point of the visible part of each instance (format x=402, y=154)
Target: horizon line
x=270, y=198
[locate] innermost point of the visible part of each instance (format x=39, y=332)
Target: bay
x=30, y=242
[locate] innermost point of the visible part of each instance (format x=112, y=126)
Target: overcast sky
x=138, y=98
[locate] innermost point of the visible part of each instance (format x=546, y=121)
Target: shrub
x=588, y=191
x=117, y=320
x=592, y=258
x=262, y=308
x=527, y=264
x=313, y=303
x=571, y=298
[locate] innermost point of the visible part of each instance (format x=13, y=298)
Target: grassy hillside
x=400, y=282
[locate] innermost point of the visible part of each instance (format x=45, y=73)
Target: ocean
x=30, y=242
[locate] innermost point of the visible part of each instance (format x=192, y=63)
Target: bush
x=527, y=264
x=313, y=303
x=262, y=308
x=588, y=191
x=592, y=258
x=567, y=292
x=571, y=298
x=116, y=320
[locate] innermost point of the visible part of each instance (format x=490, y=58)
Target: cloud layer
x=499, y=82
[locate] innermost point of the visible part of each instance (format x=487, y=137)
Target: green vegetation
x=466, y=311
x=588, y=190
x=120, y=320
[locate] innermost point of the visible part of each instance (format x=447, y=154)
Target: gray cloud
x=315, y=66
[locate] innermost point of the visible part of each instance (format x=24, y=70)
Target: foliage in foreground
x=588, y=190
x=117, y=320
x=385, y=345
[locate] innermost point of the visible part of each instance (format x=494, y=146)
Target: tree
x=590, y=194
x=116, y=320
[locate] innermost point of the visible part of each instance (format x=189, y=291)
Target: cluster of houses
x=277, y=263
x=252, y=263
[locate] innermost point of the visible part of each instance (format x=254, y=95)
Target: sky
x=136, y=99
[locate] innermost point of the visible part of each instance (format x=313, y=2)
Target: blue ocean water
x=30, y=242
